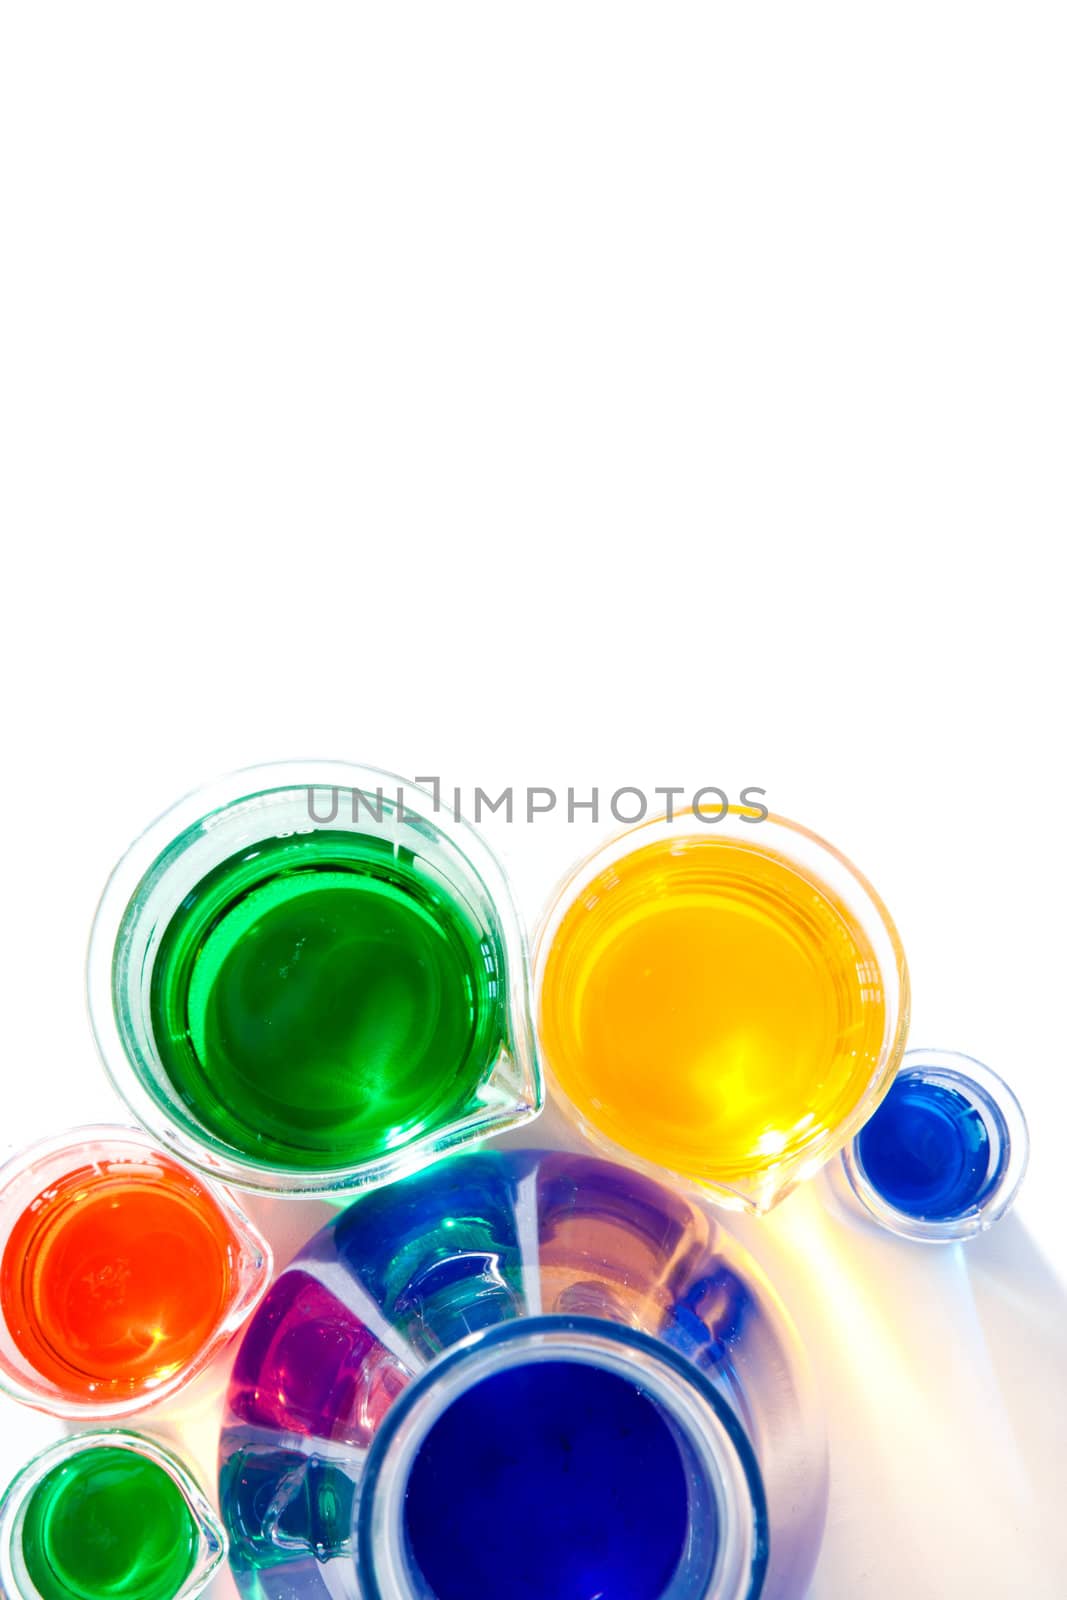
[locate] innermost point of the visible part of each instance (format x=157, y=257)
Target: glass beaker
x=309, y=978
x=725, y=998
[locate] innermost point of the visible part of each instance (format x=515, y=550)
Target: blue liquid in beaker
x=927, y=1151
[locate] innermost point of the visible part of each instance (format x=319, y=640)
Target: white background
x=577, y=394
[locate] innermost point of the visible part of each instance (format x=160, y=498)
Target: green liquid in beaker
x=322, y=999
x=108, y=1525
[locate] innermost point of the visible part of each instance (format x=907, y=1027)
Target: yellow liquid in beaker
x=712, y=1010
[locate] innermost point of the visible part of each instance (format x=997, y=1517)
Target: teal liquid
x=108, y=1525
x=321, y=1000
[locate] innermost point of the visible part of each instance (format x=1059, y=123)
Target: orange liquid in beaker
x=712, y=1010
x=116, y=1276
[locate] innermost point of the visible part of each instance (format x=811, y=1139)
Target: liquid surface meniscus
x=116, y=1276
x=711, y=1009
x=553, y=1478
x=926, y=1150
x=321, y=999
x=108, y=1524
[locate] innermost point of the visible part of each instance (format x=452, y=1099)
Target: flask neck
x=648, y=1449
